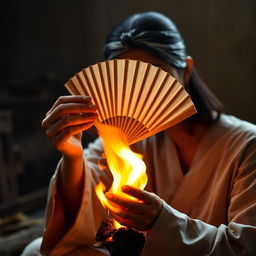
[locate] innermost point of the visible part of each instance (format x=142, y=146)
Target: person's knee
x=33, y=248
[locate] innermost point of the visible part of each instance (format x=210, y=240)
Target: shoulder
x=236, y=136
x=237, y=128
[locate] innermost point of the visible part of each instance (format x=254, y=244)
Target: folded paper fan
x=136, y=97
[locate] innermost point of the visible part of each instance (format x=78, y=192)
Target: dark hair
x=208, y=106
x=158, y=35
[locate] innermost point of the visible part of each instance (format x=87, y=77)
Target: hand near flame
x=139, y=214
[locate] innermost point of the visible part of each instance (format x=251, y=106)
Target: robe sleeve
x=58, y=241
x=175, y=233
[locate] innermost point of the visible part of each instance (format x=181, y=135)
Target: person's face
x=138, y=54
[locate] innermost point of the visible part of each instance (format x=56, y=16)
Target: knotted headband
x=168, y=45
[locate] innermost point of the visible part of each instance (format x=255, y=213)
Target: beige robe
x=209, y=211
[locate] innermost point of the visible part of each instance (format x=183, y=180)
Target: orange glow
x=126, y=166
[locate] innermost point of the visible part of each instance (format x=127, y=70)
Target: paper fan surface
x=137, y=97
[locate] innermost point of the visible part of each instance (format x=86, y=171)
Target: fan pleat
x=115, y=90
x=144, y=102
x=125, y=94
x=187, y=113
x=173, y=111
x=77, y=84
x=98, y=86
x=80, y=84
x=136, y=97
x=158, y=95
x=173, y=118
x=110, y=94
x=106, y=103
x=72, y=88
x=144, y=106
x=139, y=101
x=147, y=104
x=163, y=104
x=104, y=67
x=89, y=88
x=120, y=73
x=128, y=123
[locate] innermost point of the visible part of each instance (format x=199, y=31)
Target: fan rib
x=103, y=82
x=168, y=118
x=171, y=113
x=71, y=88
x=80, y=85
x=124, y=93
x=154, y=105
x=136, y=110
x=145, y=110
x=149, y=92
x=131, y=79
x=189, y=112
x=120, y=89
x=153, y=108
x=91, y=92
x=97, y=87
x=163, y=108
x=157, y=107
x=127, y=124
x=115, y=87
x=110, y=90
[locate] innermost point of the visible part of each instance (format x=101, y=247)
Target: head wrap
x=166, y=44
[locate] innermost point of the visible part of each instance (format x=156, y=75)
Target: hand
x=65, y=121
x=140, y=214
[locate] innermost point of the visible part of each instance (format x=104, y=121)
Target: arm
x=187, y=236
x=71, y=191
x=63, y=124
x=174, y=233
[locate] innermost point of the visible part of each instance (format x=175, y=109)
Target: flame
x=126, y=166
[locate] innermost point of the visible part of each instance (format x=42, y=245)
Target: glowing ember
x=126, y=166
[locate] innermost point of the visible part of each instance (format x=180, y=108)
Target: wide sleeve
x=175, y=233
x=57, y=240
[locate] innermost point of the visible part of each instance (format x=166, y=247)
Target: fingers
x=66, y=120
x=59, y=140
x=66, y=109
x=69, y=111
x=140, y=194
x=128, y=213
x=125, y=203
x=70, y=99
x=138, y=214
x=69, y=121
x=130, y=220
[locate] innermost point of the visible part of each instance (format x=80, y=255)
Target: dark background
x=43, y=43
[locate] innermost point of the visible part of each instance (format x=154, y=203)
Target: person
x=200, y=198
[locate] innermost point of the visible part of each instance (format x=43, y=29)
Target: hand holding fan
x=136, y=97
